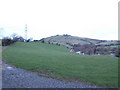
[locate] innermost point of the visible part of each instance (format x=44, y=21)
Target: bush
x=117, y=53
x=7, y=41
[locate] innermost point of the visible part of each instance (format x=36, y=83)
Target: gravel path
x=13, y=77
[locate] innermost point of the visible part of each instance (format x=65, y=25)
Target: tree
x=48, y=42
x=30, y=39
x=117, y=52
x=42, y=40
x=7, y=41
x=15, y=37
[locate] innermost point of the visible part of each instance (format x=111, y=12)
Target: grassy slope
x=70, y=39
x=76, y=40
x=100, y=70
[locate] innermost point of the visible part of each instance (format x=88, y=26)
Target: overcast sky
x=96, y=19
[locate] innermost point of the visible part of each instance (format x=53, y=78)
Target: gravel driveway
x=13, y=77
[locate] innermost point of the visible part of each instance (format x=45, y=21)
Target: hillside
x=57, y=62
x=69, y=40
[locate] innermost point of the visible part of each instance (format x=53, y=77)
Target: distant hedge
x=10, y=40
x=7, y=41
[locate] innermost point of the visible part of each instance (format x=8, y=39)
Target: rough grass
x=76, y=40
x=70, y=39
x=60, y=63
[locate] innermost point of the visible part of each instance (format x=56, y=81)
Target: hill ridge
x=69, y=40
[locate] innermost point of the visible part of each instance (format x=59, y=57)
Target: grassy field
x=57, y=61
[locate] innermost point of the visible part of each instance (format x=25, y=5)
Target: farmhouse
x=79, y=52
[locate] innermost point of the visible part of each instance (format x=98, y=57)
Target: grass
x=58, y=62
x=0, y=42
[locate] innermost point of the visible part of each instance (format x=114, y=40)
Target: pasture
x=57, y=62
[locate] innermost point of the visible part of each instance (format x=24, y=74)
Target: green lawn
x=36, y=56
